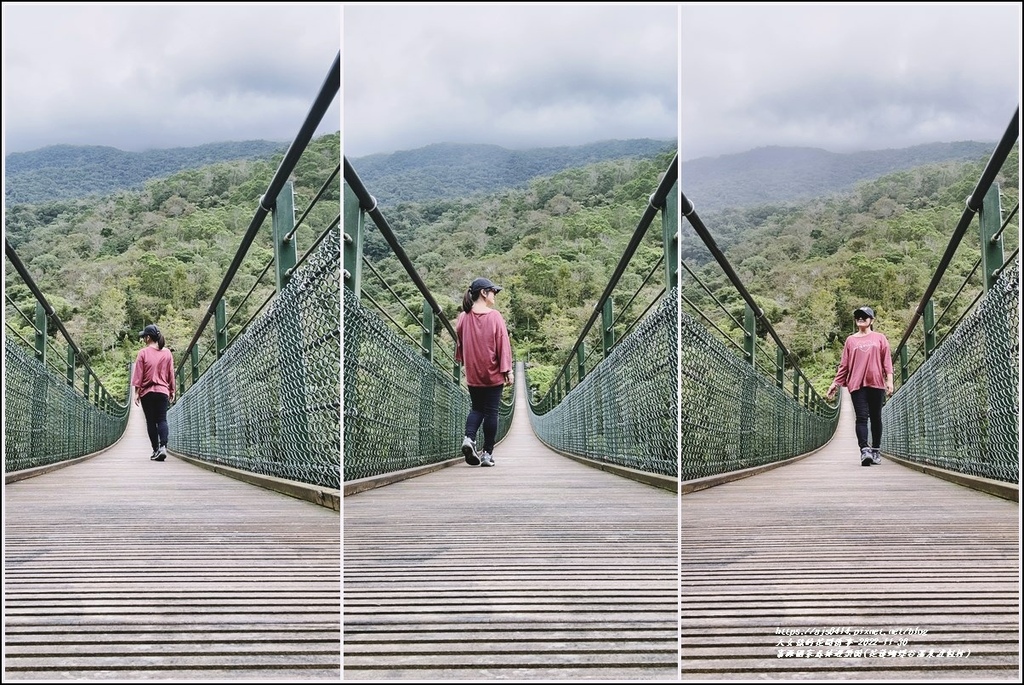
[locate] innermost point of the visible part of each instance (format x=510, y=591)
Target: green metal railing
x=55, y=408
x=264, y=395
x=957, y=403
x=404, y=403
x=614, y=400
x=746, y=403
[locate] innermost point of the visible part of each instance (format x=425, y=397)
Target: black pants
x=485, y=403
x=154, y=406
x=867, y=405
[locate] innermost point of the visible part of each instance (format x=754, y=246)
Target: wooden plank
x=123, y=568
x=537, y=568
x=827, y=544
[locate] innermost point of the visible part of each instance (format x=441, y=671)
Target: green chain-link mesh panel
x=733, y=416
x=401, y=410
x=271, y=403
x=45, y=420
x=624, y=412
x=960, y=410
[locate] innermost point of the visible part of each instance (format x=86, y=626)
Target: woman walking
x=153, y=380
x=483, y=347
x=866, y=370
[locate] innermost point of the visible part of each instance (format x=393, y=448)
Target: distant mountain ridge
x=451, y=170
x=62, y=172
x=767, y=175
x=772, y=175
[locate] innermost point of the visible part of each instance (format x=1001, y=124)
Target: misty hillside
x=446, y=171
x=64, y=172
x=772, y=175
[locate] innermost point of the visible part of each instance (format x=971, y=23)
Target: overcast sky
x=847, y=78
x=516, y=76
x=140, y=77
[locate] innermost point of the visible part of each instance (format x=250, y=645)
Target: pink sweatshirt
x=866, y=362
x=154, y=371
x=483, y=347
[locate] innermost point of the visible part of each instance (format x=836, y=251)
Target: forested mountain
x=810, y=264
x=453, y=171
x=768, y=175
x=553, y=246
x=773, y=175
x=62, y=172
x=111, y=264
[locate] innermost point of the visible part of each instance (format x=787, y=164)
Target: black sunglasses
x=860, y=317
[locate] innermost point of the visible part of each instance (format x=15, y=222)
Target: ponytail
x=160, y=341
x=467, y=300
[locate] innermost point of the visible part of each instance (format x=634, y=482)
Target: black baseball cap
x=484, y=284
x=866, y=311
x=150, y=330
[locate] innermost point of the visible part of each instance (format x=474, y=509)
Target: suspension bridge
x=796, y=562
x=671, y=506
x=541, y=567
x=222, y=562
x=559, y=562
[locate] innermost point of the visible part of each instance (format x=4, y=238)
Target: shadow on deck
x=780, y=569
x=124, y=568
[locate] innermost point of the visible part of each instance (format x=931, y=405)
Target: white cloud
x=156, y=76
x=523, y=75
x=847, y=77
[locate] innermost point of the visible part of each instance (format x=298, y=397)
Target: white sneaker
x=486, y=459
x=469, y=451
x=876, y=455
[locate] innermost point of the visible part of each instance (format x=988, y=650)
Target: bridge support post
x=780, y=367
x=607, y=333
x=194, y=361
x=747, y=420
x=670, y=236
x=427, y=339
x=38, y=447
x=283, y=222
x=581, y=357
x=220, y=327
x=989, y=221
x=40, y=332
x=71, y=366
x=749, y=332
x=354, y=218
x=929, y=328
x=904, y=364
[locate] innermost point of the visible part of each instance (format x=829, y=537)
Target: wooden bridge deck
x=123, y=568
x=826, y=544
x=537, y=568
